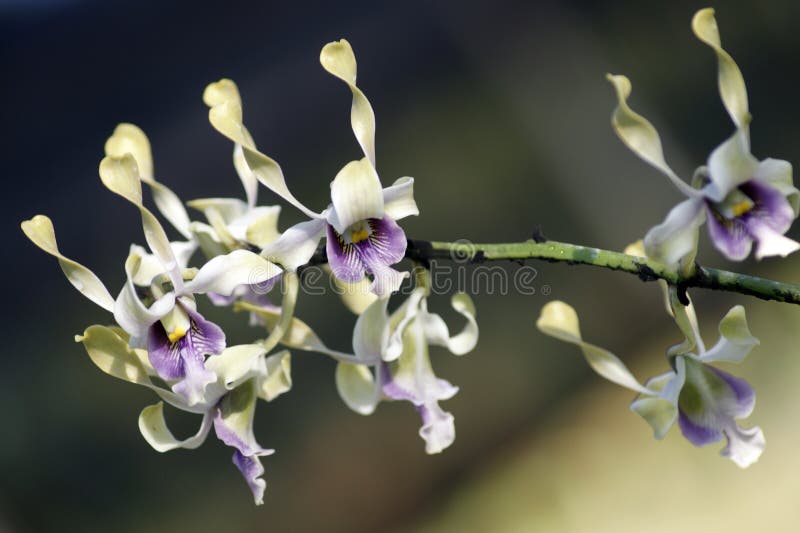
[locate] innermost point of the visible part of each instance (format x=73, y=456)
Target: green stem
x=645, y=269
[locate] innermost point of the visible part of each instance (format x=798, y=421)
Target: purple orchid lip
x=734, y=236
x=373, y=248
x=184, y=359
x=723, y=398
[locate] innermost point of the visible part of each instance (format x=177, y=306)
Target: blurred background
x=500, y=110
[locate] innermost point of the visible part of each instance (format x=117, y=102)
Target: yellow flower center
x=742, y=207
x=359, y=235
x=176, y=335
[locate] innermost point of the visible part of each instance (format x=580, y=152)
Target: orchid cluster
x=162, y=341
x=745, y=202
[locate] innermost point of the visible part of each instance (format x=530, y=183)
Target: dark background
x=501, y=112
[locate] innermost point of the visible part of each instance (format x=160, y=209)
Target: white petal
x=338, y=59
x=40, y=231
x=155, y=431
x=357, y=387
x=371, y=332
x=410, y=310
x=674, y=241
x=778, y=174
x=237, y=364
x=295, y=247
x=129, y=311
x=770, y=243
x=735, y=341
x=639, y=135
x=398, y=200
x=745, y=446
x=730, y=165
x=356, y=195
x=560, y=320
x=730, y=80
x=224, y=273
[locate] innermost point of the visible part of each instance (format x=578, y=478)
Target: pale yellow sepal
x=40, y=231
x=110, y=352
x=279, y=376
x=225, y=114
x=559, y=320
x=297, y=335
x=130, y=139
x=639, y=135
x=121, y=176
x=731, y=83
x=338, y=59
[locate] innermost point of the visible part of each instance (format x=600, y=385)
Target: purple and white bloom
x=392, y=362
x=361, y=222
x=745, y=201
x=242, y=375
x=177, y=337
x=704, y=400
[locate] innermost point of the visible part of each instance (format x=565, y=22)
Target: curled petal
x=438, y=428
x=398, y=199
x=674, y=241
x=248, y=178
x=338, y=59
x=40, y=231
x=356, y=195
x=640, y=136
x=560, y=320
x=735, y=340
x=730, y=80
x=224, y=273
x=295, y=247
x=155, y=431
x=225, y=114
x=438, y=334
x=357, y=387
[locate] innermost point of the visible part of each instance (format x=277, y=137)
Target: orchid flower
x=392, y=362
x=744, y=200
x=177, y=337
x=243, y=374
x=705, y=401
x=360, y=224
